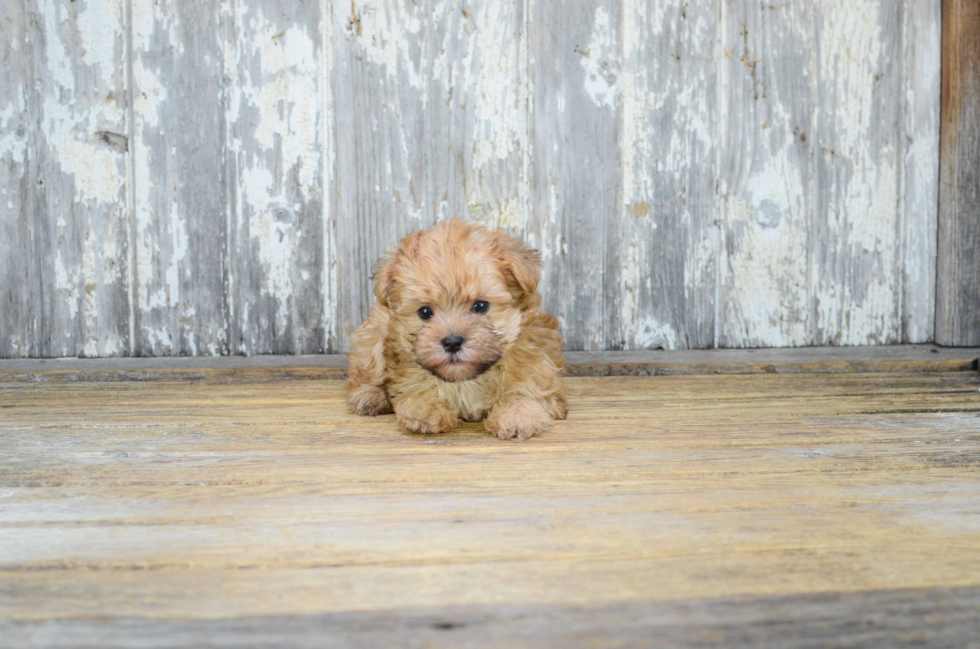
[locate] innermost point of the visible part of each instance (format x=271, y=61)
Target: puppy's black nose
x=452, y=344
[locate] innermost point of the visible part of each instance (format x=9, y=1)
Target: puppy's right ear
x=383, y=272
x=383, y=276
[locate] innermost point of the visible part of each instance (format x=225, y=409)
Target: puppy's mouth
x=457, y=364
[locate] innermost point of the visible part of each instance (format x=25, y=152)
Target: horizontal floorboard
x=933, y=617
x=736, y=510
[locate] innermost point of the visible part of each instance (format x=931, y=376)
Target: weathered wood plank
x=892, y=358
x=276, y=151
x=179, y=186
x=753, y=504
x=855, y=275
x=934, y=617
x=923, y=52
x=767, y=183
x=958, y=281
x=665, y=246
x=381, y=76
x=17, y=276
x=575, y=63
x=79, y=214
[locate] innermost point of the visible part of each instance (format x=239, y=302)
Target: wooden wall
x=185, y=177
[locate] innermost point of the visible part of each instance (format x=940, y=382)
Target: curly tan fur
x=508, y=370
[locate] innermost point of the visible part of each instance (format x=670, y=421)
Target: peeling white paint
x=99, y=26
x=97, y=170
x=767, y=299
x=777, y=287
x=69, y=127
x=500, y=121
x=280, y=152
x=12, y=144
x=923, y=57
x=601, y=61
x=862, y=196
x=80, y=97
x=651, y=334
x=288, y=80
x=150, y=96
x=388, y=33
x=509, y=217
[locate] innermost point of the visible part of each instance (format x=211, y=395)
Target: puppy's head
x=457, y=293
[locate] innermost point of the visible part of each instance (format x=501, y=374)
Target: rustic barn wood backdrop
x=217, y=177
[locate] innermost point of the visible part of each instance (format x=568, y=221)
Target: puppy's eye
x=425, y=313
x=480, y=306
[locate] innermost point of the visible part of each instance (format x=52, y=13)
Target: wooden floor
x=729, y=510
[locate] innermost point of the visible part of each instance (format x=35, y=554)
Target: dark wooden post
x=958, y=271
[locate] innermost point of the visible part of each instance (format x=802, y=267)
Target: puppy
x=457, y=334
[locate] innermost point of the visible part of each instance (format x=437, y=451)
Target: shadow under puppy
x=457, y=333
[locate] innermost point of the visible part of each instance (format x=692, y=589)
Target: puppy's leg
x=366, y=394
x=369, y=400
x=425, y=413
x=531, y=392
x=516, y=416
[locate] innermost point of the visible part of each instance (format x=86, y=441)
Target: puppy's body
x=459, y=282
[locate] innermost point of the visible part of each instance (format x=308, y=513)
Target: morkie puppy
x=457, y=334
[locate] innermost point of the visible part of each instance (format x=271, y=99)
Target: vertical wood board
x=575, y=63
x=767, y=176
x=923, y=52
x=17, y=333
x=665, y=241
x=80, y=298
x=275, y=149
x=180, y=233
x=958, y=272
x=855, y=237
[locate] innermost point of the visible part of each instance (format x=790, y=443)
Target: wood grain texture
x=180, y=230
x=17, y=333
x=923, y=48
x=666, y=233
x=856, y=256
x=798, y=506
x=276, y=149
x=381, y=72
x=79, y=219
x=958, y=272
x=696, y=174
x=767, y=184
x=935, y=617
x=833, y=360
x=575, y=66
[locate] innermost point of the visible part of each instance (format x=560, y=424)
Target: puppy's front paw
x=369, y=400
x=518, y=419
x=426, y=418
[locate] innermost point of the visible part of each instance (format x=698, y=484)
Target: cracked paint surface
x=218, y=178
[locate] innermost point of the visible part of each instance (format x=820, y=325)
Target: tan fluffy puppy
x=457, y=333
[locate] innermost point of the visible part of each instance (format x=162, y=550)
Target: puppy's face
x=457, y=292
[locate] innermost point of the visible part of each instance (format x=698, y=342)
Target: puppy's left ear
x=521, y=262
x=383, y=275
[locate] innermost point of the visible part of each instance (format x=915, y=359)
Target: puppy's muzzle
x=452, y=344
